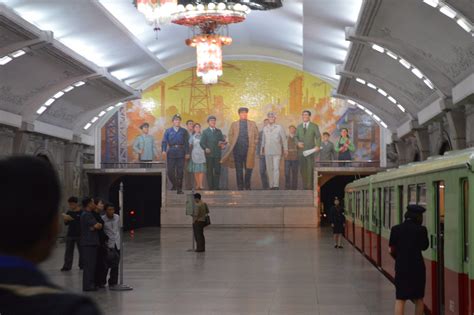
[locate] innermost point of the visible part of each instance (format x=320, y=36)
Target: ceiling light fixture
x=368, y=112
x=452, y=13
x=57, y=96
x=87, y=126
x=18, y=53
x=446, y=10
x=360, y=80
x=433, y=3
x=378, y=48
x=405, y=63
x=5, y=59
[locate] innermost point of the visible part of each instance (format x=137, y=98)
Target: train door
x=440, y=210
x=468, y=293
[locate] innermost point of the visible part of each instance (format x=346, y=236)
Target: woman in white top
x=197, y=164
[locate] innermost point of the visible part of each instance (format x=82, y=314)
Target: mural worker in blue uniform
x=175, y=147
x=144, y=145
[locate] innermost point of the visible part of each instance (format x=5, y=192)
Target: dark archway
x=334, y=188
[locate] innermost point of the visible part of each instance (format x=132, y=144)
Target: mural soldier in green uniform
x=212, y=141
x=309, y=142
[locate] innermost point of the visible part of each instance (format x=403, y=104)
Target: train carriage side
x=356, y=208
x=349, y=214
x=442, y=185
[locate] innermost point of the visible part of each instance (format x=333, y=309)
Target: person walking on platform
x=112, y=230
x=309, y=138
x=262, y=166
x=338, y=221
x=407, y=241
x=273, y=140
x=28, y=233
x=200, y=215
x=243, y=139
x=212, y=142
x=175, y=147
x=72, y=219
x=291, y=161
x=89, y=244
x=344, y=147
x=327, y=152
x=197, y=163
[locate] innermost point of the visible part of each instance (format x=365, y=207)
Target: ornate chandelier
x=209, y=55
x=208, y=19
x=157, y=12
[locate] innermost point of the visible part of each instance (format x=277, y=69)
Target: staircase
x=255, y=208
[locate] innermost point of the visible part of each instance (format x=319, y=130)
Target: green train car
x=445, y=186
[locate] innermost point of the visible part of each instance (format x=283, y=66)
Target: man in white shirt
x=112, y=230
x=273, y=140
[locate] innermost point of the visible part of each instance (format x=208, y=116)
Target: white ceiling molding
x=51, y=130
x=406, y=128
x=464, y=90
x=10, y=119
x=432, y=111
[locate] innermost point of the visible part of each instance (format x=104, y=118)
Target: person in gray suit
x=327, y=151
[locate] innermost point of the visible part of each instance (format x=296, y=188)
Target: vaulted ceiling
x=422, y=64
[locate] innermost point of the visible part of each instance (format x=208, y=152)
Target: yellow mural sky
x=261, y=86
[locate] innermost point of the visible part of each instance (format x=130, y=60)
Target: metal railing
x=133, y=165
x=347, y=163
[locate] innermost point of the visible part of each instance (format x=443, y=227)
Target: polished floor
x=243, y=271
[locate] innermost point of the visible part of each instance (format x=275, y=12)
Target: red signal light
x=132, y=212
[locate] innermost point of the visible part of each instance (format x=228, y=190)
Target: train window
x=366, y=213
x=421, y=198
x=374, y=208
x=465, y=217
x=398, y=215
x=357, y=207
x=350, y=204
x=412, y=194
x=388, y=206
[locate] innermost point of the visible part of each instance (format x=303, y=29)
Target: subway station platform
x=243, y=271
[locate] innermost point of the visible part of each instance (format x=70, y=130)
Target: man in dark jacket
x=72, y=219
x=28, y=230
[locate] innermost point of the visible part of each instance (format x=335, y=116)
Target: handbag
x=207, y=218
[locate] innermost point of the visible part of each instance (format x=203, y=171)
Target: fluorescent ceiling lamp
x=5, y=60
x=80, y=83
x=102, y=113
x=49, y=102
x=18, y=53
x=360, y=106
x=392, y=55
x=368, y=112
x=59, y=94
x=69, y=88
x=378, y=48
x=382, y=92
x=417, y=73
x=383, y=124
x=87, y=126
x=465, y=25
x=391, y=99
x=41, y=110
x=446, y=10
x=360, y=81
x=351, y=102
x=377, y=118
x=433, y=3
x=93, y=120
x=428, y=83
x=401, y=107
x=118, y=104
x=110, y=108
x=370, y=85
x=405, y=63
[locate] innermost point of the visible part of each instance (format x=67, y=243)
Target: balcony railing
x=133, y=165
x=347, y=163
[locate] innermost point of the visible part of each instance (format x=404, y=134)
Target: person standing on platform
x=327, y=151
x=309, y=138
x=89, y=244
x=101, y=263
x=212, y=142
x=344, y=146
x=29, y=228
x=197, y=163
x=338, y=221
x=243, y=139
x=261, y=158
x=188, y=176
x=72, y=219
x=407, y=241
x=112, y=230
x=175, y=148
x=201, y=211
x=144, y=145
x=274, y=138
x=291, y=161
